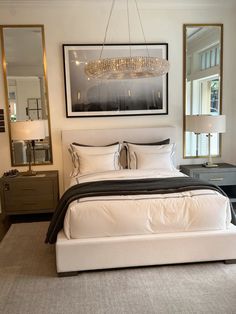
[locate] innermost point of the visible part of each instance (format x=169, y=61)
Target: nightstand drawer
x=219, y=178
x=25, y=205
x=19, y=189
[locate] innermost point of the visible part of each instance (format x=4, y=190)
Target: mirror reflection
x=26, y=89
x=202, y=84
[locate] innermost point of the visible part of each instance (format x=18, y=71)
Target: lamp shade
x=28, y=130
x=205, y=124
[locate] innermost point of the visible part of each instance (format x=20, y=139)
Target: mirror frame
x=4, y=66
x=184, y=82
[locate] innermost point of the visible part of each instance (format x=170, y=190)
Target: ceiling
x=23, y=46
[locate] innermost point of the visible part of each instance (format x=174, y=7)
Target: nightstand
x=223, y=176
x=29, y=194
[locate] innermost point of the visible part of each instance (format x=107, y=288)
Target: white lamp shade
x=28, y=130
x=205, y=124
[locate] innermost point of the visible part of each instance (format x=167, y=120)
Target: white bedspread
x=144, y=214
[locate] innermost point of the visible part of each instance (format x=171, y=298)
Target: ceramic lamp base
x=29, y=173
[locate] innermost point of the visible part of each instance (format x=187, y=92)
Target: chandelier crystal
x=131, y=67
x=126, y=68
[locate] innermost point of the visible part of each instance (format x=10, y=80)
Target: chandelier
x=131, y=67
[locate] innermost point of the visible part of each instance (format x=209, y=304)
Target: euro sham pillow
x=163, y=142
x=95, y=158
x=151, y=156
x=75, y=162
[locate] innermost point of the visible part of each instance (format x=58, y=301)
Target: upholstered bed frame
x=142, y=250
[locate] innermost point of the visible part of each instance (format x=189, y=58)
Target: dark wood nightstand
x=223, y=176
x=29, y=194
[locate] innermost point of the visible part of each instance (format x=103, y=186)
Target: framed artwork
x=88, y=97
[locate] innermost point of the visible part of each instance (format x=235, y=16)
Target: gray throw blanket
x=123, y=187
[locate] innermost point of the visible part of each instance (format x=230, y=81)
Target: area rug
x=29, y=283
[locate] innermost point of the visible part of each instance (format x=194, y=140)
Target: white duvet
x=144, y=214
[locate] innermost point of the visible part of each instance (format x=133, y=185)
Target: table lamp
x=206, y=124
x=28, y=131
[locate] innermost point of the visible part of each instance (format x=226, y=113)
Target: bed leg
x=230, y=261
x=68, y=274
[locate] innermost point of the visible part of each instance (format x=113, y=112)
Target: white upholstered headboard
x=107, y=136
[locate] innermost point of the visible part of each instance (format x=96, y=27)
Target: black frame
x=163, y=81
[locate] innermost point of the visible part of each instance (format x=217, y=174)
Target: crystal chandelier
x=131, y=67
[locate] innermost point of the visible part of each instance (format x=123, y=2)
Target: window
x=214, y=106
x=210, y=58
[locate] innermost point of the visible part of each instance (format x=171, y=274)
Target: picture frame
x=88, y=97
x=2, y=123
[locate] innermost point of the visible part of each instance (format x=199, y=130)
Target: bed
x=126, y=230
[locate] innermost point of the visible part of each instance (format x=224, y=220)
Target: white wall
x=84, y=22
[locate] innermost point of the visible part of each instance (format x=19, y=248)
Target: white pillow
x=97, y=163
x=95, y=158
x=135, y=150
x=152, y=161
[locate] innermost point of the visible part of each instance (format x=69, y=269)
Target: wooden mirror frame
x=185, y=26
x=4, y=65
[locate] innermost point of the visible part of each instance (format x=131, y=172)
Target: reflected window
x=215, y=96
x=210, y=58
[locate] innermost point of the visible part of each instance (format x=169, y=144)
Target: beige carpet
x=29, y=284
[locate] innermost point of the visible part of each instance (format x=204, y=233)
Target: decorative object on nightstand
x=11, y=173
x=206, y=124
x=29, y=194
x=223, y=176
x=28, y=131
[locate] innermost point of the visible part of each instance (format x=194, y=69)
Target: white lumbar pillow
x=162, y=161
x=98, y=163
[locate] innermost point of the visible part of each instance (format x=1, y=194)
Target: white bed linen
x=144, y=214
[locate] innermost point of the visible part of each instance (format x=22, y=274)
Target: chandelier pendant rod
x=108, y=23
x=128, y=20
x=140, y=21
x=122, y=68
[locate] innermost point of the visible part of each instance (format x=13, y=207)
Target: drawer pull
x=216, y=179
x=28, y=189
x=29, y=203
x=6, y=187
